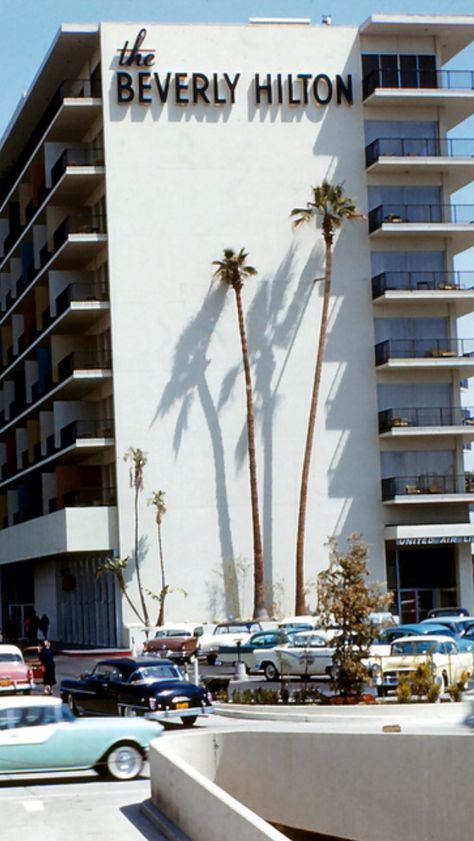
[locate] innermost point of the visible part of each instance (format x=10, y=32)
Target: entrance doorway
x=421, y=578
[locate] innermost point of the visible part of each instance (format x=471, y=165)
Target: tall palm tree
x=138, y=460
x=158, y=500
x=232, y=271
x=332, y=208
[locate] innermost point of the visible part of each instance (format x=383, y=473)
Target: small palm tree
x=332, y=208
x=232, y=271
x=158, y=500
x=138, y=460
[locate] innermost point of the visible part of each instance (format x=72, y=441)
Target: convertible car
x=131, y=687
x=40, y=735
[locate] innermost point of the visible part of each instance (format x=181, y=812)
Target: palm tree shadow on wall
x=188, y=380
x=272, y=326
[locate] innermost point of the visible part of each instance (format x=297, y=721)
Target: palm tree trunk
x=161, y=615
x=259, y=610
x=137, y=563
x=300, y=602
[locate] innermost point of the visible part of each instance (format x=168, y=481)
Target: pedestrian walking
x=49, y=670
x=43, y=625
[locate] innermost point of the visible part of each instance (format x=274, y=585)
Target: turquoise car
x=41, y=735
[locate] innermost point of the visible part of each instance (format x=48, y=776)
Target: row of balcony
x=439, y=281
x=81, y=498
x=409, y=417
x=86, y=223
x=78, y=156
x=417, y=78
x=68, y=366
x=67, y=436
x=424, y=349
x=409, y=147
x=427, y=485
x=78, y=293
x=68, y=89
x=453, y=214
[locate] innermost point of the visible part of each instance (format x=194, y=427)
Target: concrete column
x=464, y=576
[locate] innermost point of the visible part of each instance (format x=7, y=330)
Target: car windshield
x=10, y=658
x=151, y=674
x=237, y=629
x=415, y=647
x=306, y=640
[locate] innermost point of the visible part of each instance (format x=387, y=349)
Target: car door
x=98, y=694
x=26, y=736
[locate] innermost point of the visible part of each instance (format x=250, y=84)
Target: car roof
x=135, y=662
x=9, y=649
x=426, y=638
x=29, y=701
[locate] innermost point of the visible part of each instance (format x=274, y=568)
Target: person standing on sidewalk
x=49, y=670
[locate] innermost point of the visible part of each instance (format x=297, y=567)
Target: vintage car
x=227, y=633
x=448, y=664
x=15, y=675
x=434, y=629
x=153, y=687
x=244, y=652
x=31, y=658
x=178, y=644
x=40, y=734
x=306, y=655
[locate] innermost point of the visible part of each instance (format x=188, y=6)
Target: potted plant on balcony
x=469, y=478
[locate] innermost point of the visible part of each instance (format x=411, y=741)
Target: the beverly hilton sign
x=146, y=85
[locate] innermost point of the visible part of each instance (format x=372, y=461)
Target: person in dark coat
x=49, y=669
x=43, y=625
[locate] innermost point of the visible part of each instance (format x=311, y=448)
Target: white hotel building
x=124, y=173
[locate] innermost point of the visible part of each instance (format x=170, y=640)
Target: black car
x=130, y=687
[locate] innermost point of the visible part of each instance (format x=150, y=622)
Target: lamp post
x=240, y=672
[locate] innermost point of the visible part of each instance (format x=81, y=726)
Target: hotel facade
x=139, y=153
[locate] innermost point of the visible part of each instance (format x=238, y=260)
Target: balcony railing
x=423, y=348
x=455, y=214
x=76, y=156
x=417, y=281
x=417, y=78
x=83, y=359
x=86, y=429
x=426, y=484
x=73, y=88
x=399, y=418
x=84, y=224
x=426, y=147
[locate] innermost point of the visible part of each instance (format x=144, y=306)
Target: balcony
x=416, y=154
x=453, y=90
x=81, y=293
x=454, y=288
x=409, y=422
x=428, y=489
x=425, y=354
x=453, y=221
x=76, y=156
x=84, y=430
x=79, y=90
x=85, y=497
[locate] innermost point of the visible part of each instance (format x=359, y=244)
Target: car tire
x=71, y=702
x=189, y=720
x=123, y=762
x=128, y=712
x=211, y=659
x=270, y=671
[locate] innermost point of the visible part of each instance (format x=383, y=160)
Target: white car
x=227, y=633
x=307, y=655
x=447, y=663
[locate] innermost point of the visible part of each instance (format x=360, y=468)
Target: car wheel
x=71, y=702
x=270, y=671
x=124, y=762
x=211, y=659
x=381, y=692
x=189, y=720
x=128, y=712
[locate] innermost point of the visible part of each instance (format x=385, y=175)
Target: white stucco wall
x=183, y=183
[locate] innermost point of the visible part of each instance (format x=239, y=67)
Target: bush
x=455, y=690
x=418, y=684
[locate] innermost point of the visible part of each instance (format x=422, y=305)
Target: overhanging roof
x=455, y=32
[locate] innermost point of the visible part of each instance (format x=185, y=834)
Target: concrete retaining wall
x=370, y=787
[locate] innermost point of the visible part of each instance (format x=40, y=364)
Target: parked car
x=228, y=633
x=306, y=655
x=437, y=612
x=15, y=676
x=137, y=686
x=178, y=644
x=243, y=652
x=447, y=662
x=458, y=625
x=383, y=642
x=40, y=734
